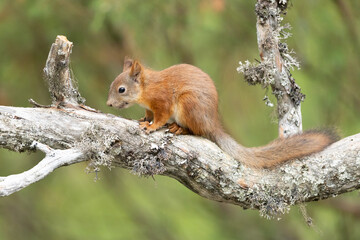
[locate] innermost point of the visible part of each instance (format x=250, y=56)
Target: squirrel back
x=185, y=95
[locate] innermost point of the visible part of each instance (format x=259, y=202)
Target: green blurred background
x=211, y=34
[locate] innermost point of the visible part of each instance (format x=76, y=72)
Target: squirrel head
x=125, y=89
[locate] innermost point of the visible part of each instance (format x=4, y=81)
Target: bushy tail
x=278, y=151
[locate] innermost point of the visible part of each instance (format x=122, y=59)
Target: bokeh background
x=211, y=34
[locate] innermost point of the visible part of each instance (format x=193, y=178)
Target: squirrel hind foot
x=177, y=130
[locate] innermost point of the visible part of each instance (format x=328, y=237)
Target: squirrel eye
x=121, y=90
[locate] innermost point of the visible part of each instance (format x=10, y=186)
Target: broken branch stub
x=58, y=75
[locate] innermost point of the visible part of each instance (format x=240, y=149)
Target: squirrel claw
x=146, y=127
x=177, y=130
x=148, y=131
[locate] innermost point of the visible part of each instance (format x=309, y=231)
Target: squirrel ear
x=135, y=71
x=128, y=62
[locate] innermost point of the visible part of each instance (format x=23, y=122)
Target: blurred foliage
x=211, y=34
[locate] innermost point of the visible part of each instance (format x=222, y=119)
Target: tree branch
x=275, y=66
x=54, y=159
x=195, y=162
x=58, y=75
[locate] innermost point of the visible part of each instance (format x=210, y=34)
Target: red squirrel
x=186, y=96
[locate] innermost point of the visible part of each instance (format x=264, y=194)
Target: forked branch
x=53, y=159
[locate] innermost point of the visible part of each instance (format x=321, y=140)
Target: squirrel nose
x=109, y=103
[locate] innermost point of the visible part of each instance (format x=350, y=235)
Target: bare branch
x=31, y=101
x=54, y=159
x=58, y=74
x=195, y=162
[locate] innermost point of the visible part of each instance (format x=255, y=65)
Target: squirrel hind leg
x=177, y=130
x=198, y=114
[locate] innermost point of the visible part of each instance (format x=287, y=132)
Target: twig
x=31, y=101
x=53, y=159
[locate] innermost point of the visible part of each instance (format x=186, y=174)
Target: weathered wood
x=195, y=162
x=58, y=74
x=54, y=159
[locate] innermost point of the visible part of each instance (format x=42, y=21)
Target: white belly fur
x=175, y=117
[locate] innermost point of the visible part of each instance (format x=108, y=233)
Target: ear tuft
x=135, y=71
x=128, y=62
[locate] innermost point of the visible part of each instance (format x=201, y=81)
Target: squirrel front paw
x=147, y=127
x=144, y=125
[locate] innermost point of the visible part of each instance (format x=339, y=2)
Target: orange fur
x=185, y=95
